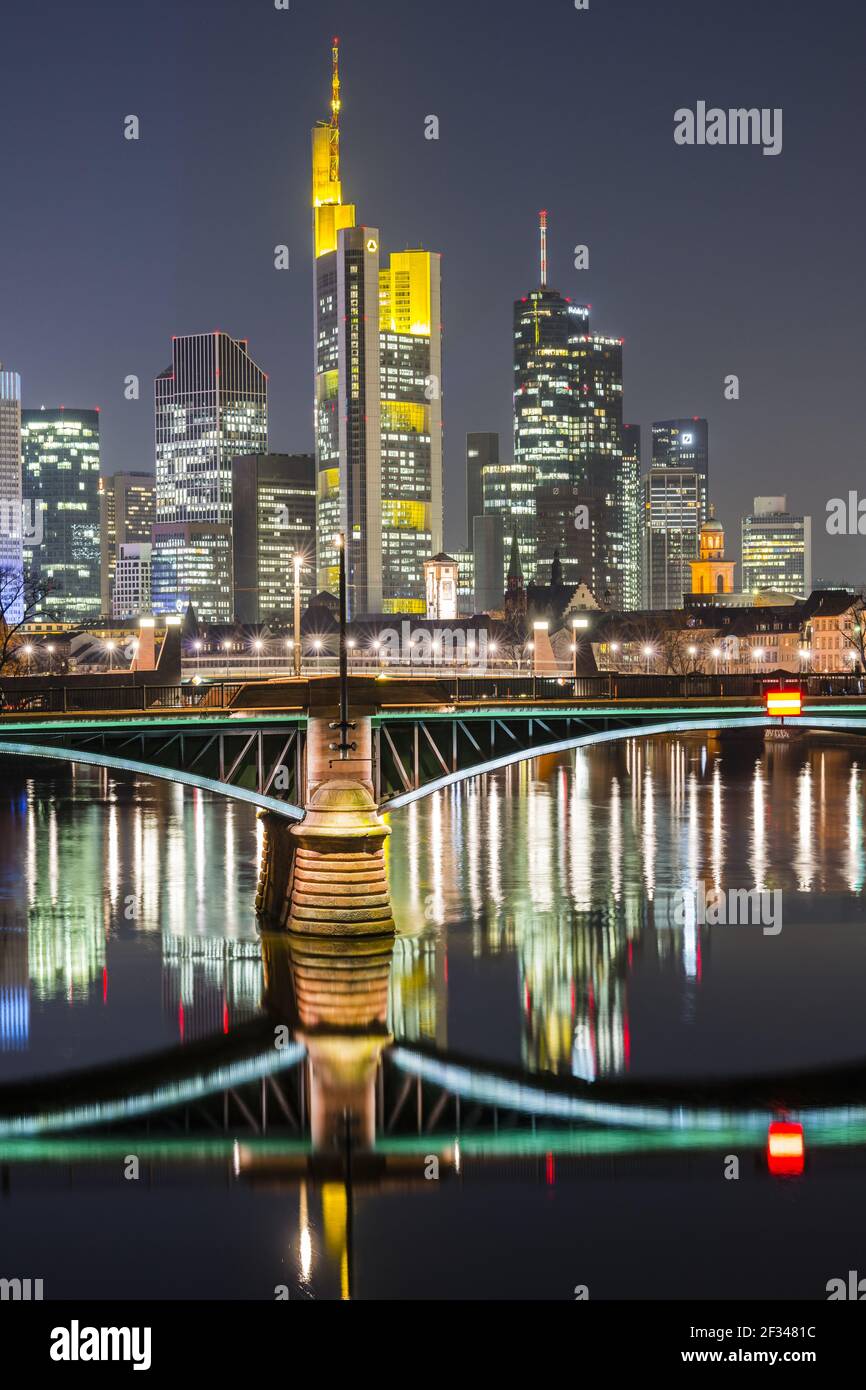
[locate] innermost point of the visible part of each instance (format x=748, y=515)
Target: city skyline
x=638, y=274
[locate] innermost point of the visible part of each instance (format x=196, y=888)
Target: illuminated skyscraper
x=567, y=430
x=777, y=549
x=211, y=405
x=11, y=517
x=410, y=355
x=60, y=454
x=631, y=510
x=127, y=511
x=685, y=444
x=671, y=505
x=378, y=406
x=274, y=519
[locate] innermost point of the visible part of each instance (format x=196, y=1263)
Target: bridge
x=276, y=745
x=252, y=742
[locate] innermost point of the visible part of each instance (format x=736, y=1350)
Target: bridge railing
x=75, y=699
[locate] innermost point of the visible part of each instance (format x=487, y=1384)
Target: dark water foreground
x=549, y=942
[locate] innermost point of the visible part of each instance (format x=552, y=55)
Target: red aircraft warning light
x=784, y=702
x=786, y=1149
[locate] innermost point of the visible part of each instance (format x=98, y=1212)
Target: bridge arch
x=154, y=770
x=627, y=731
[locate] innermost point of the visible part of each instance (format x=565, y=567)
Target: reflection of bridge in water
x=316, y=1085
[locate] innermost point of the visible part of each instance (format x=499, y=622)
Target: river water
x=549, y=932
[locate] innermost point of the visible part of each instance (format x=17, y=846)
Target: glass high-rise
x=211, y=406
x=671, y=524
x=777, y=549
x=127, y=511
x=378, y=398
x=567, y=437
x=684, y=444
x=11, y=515
x=482, y=452
x=273, y=520
x=631, y=511
x=60, y=457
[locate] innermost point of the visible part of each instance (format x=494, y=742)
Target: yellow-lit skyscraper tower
x=378, y=409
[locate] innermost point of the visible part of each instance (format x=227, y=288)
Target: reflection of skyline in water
x=89, y=858
x=533, y=907
x=576, y=868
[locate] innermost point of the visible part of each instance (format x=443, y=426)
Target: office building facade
x=131, y=593
x=488, y=563
x=12, y=602
x=60, y=460
x=631, y=512
x=273, y=520
x=776, y=549
x=671, y=526
x=482, y=451
x=211, y=405
x=568, y=432
x=191, y=563
x=127, y=511
x=684, y=444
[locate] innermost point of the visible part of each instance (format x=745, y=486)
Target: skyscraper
x=127, y=511
x=211, y=406
x=482, y=451
x=777, y=549
x=631, y=510
x=410, y=354
x=671, y=503
x=489, y=563
x=60, y=455
x=685, y=444
x=378, y=397
x=11, y=516
x=567, y=428
x=273, y=520
x=131, y=595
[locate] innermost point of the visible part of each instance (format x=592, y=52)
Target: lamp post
x=343, y=725
x=257, y=647
x=110, y=649
x=297, y=626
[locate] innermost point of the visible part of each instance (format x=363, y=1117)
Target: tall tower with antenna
x=378, y=406
x=567, y=442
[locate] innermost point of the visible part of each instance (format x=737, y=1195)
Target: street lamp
x=648, y=652
x=297, y=562
x=257, y=648
x=227, y=648
x=109, y=646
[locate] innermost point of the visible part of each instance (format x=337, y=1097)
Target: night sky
x=707, y=261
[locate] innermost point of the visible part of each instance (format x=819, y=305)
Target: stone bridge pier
x=334, y=995
x=325, y=876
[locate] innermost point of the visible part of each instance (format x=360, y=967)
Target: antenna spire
x=335, y=111
x=542, y=221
